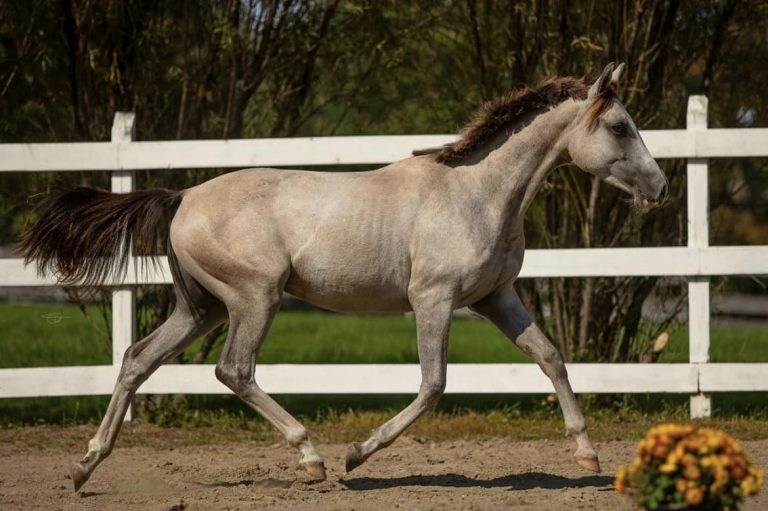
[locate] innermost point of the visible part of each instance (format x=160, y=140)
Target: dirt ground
x=411, y=474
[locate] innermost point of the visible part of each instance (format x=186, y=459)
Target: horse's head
x=605, y=142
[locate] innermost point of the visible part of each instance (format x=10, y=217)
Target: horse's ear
x=616, y=75
x=602, y=83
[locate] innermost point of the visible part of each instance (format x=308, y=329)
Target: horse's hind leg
x=249, y=320
x=196, y=313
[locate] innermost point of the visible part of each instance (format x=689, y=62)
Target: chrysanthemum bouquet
x=683, y=467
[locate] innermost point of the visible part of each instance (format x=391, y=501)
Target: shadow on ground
x=89, y=494
x=263, y=483
x=517, y=482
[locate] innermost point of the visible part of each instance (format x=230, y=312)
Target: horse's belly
x=346, y=296
x=349, y=286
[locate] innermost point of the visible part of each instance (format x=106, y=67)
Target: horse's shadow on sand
x=516, y=482
x=262, y=483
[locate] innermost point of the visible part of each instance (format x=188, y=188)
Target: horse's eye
x=619, y=129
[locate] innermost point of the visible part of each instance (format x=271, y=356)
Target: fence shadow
x=515, y=482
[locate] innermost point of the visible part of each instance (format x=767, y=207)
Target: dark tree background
x=247, y=68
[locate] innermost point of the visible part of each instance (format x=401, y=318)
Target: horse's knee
x=235, y=376
x=551, y=361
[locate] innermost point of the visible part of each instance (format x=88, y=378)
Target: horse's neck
x=513, y=170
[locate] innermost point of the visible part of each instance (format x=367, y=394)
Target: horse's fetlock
x=386, y=442
x=576, y=426
x=96, y=450
x=297, y=437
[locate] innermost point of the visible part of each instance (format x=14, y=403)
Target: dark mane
x=497, y=114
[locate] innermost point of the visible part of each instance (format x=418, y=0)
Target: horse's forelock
x=598, y=107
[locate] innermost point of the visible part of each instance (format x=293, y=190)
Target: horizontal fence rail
x=368, y=150
x=396, y=379
x=697, y=262
x=539, y=263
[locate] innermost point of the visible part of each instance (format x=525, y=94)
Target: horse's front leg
x=505, y=310
x=433, y=313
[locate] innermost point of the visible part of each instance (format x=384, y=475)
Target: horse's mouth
x=646, y=205
x=640, y=201
x=649, y=205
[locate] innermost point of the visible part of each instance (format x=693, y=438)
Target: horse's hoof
x=591, y=464
x=78, y=475
x=316, y=470
x=354, y=457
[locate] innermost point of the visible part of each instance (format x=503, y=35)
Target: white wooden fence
x=697, y=262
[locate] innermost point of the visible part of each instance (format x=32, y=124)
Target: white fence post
x=698, y=237
x=123, y=298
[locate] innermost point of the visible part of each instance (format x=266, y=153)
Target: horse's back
x=340, y=239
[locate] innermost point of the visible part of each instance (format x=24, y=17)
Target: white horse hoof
x=592, y=464
x=316, y=470
x=78, y=475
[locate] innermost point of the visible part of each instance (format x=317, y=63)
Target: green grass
x=728, y=344
x=52, y=335
x=316, y=337
x=58, y=334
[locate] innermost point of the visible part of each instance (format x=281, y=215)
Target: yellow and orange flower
x=706, y=466
x=694, y=496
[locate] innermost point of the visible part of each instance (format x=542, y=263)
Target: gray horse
x=429, y=234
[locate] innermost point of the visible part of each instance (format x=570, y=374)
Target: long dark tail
x=83, y=235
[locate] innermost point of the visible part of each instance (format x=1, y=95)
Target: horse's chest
x=479, y=279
